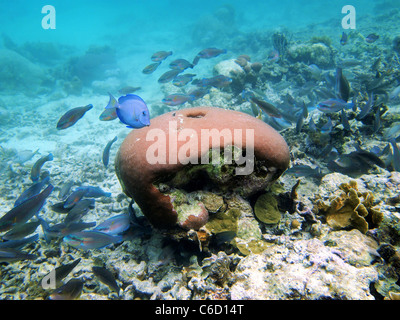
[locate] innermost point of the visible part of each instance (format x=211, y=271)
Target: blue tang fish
x=87, y=240
x=131, y=110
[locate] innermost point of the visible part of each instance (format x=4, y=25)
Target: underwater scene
x=200, y=150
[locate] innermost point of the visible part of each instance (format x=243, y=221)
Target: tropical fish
x=72, y=116
x=79, y=210
x=355, y=163
x=35, y=172
x=18, y=243
x=87, y=240
x=109, y=113
x=128, y=89
x=223, y=237
x=64, y=190
x=131, y=110
x=176, y=99
x=327, y=127
x=31, y=191
x=267, y=107
x=343, y=39
x=315, y=71
x=208, y=53
x=396, y=155
x=367, y=108
x=105, y=276
x=182, y=80
x=394, y=93
x=94, y=192
x=63, y=270
x=12, y=255
x=393, y=131
x=149, y=69
x=25, y=155
x=302, y=170
x=74, y=197
x=63, y=229
x=180, y=64
x=69, y=291
x=169, y=75
x=344, y=120
x=160, y=55
x=114, y=225
x=25, y=211
x=197, y=93
x=333, y=105
x=342, y=86
x=219, y=81
x=371, y=38
x=21, y=230
x=312, y=126
x=106, y=151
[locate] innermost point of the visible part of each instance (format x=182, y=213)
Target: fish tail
x=112, y=103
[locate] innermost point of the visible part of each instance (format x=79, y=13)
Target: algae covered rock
x=316, y=53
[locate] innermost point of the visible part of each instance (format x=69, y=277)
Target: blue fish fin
x=130, y=127
x=112, y=103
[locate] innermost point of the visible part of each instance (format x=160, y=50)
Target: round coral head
x=181, y=139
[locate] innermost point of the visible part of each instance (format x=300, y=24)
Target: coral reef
x=145, y=181
x=351, y=209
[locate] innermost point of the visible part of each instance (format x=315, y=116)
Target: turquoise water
x=99, y=49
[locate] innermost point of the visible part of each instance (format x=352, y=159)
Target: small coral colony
x=316, y=111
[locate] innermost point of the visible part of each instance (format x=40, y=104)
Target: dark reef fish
x=267, y=107
x=31, y=191
x=21, y=230
x=72, y=116
x=74, y=197
x=105, y=276
x=371, y=38
x=149, y=69
x=94, y=192
x=106, y=151
x=169, y=75
x=131, y=110
x=302, y=170
x=79, y=210
x=367, y=108
x=18, y=243
x=25, y=211
x=176, y=99
x=208, y=53
x=334, y=105
x=160, y=55
x=396, y=155
x=64, y=190
x=86, y=240
x=69, y=291
x=63, y=270
x=343, y=39
x=342, y=86
x=355, y=163
x=63, y=229
x=12, y=255
x=35, y=171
